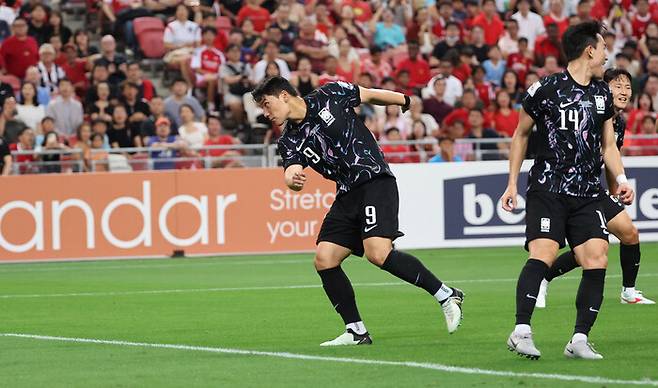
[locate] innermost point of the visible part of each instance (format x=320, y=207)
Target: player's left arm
x=613, y=164
x=384, y=97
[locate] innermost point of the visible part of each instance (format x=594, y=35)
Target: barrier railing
x=259, y=155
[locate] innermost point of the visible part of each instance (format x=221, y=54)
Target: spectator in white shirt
x=271, y=55
x=531, y=25
x=509, y=42
x=454, y=87
x=30, y=111
x=180, y=38
x=50, y=72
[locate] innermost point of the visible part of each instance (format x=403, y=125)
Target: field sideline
x=258, y=320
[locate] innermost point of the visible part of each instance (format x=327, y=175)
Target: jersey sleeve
x=609, y=104
x=345, y=93
x=289, y=155
x=532, y=100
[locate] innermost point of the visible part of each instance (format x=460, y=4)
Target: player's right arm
x=295, y=177
x=293, y=164
x=516, y=156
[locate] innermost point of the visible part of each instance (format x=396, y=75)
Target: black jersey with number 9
x=569, y=119
x=333, y=140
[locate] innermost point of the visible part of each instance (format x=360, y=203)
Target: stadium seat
x=140, y=162
x=150, y=32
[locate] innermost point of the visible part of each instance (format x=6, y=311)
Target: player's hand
x=298, y=181
x=625, y=193
x=508, y=199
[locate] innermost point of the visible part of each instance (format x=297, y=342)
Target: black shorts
x=368, y=210
x=611, y=207
x=556, y=216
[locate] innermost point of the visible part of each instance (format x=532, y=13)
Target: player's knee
x=630, y=236
x=377, y=256
x=325, y=261
x=595, y=260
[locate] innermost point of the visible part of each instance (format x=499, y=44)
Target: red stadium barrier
x=145, y=214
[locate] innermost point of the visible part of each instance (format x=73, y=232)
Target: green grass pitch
x=218, y=306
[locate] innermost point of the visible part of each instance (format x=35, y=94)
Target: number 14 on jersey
x=572, y=115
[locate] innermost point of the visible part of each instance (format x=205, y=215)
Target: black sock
x=411, y=270
x=629, y=255
x=589, y=299
x=527, y=289
x=340, y=292
x=564, y=263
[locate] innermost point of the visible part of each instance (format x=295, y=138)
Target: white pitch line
x=182, y=263
x=261, y=288
x=310, y=357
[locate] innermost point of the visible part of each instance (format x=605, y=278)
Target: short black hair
x=273, y=86
x=64, y=80
x=23, y=130
x=209, y=29
x=99, y=121
x=576, y=39
x=613, y=74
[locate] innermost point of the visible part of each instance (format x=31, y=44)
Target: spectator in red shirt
x=25, y=143
x=484, y=88
x=376, y=67
x=644, y=107
x=556, y=15
x=549, y=45
x=521, y=61
x=399, y=153
x=468, y=102
x=75, y=69
x=19, y=51
x=641, y=19
x=445, y=16
x=254, y=12
x=218, y=137
x=418, y=68
x=206, y=62
x=330, y=75
x=505, y=118
x=647, y=146
x=134, y=74
x=490, y=22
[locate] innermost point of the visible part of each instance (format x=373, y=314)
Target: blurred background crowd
x=166, y=83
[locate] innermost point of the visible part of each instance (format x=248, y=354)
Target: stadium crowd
x=465, y=62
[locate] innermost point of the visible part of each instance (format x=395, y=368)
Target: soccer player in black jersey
x=619, y=222
x=323, y=132
x=573, y=112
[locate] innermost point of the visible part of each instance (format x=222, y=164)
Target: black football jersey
x=569, y=119
x=619, y=123
x=332, y=139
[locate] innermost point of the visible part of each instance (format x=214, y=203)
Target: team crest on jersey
x=326, y=116
x=600, y=104
x=533, y=88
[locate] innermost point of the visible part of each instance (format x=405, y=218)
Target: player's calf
x=411, y=270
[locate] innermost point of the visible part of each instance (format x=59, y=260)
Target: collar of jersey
x=575, y=82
